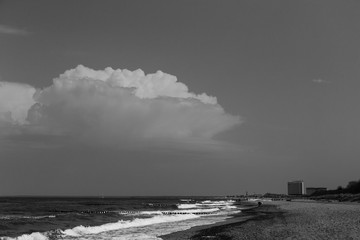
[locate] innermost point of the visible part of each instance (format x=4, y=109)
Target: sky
x=178, y=97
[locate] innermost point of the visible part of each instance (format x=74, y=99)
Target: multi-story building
x=296, y=188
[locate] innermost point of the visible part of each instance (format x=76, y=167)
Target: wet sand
x=284, y=220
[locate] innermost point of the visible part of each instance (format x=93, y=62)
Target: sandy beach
x=284, y=220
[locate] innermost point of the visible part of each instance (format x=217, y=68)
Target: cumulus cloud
x=15, y=101
x=117, y=106
x=147, y=86
x=12, y=31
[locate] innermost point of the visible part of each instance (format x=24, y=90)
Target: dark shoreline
x=227, y=230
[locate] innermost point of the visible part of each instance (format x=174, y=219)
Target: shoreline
x=283, y=220
x=218, y=230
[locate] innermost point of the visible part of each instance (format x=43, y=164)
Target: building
x=296, y=188
x=312, y=190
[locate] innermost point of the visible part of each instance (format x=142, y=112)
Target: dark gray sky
x=289, y=70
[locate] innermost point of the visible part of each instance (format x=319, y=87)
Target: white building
x=296, y=188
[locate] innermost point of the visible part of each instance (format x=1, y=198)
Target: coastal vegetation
x=350, y=193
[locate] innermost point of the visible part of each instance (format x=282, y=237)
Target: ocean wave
x=204, y=204
x=169, y=221
x=166, y=212
x=229, y=207
x=138, y=222
x=188, y=205
x=32, y=236
x=209, y=202
x=81, y=231
x=10, y=217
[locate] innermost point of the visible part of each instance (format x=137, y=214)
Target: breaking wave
x=138, y=222
x=186, y=215
x=86, y=230
x=206, y=204
x=32, y=236
x=169, y=212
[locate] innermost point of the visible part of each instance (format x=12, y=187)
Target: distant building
x=311, y=190
x=296, y=188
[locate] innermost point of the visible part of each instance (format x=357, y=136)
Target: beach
x=284, y=220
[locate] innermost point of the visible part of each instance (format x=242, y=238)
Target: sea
x=120, y=218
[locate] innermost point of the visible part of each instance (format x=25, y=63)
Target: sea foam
x=138, y=222
x=167, y=212
x=187, y=215
x=206, y=204
x=32, y=236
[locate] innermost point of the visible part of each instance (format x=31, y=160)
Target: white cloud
x=120, y=105
x=15, y=101
x=12, y=31
x=116, y=107
x=149, y=86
